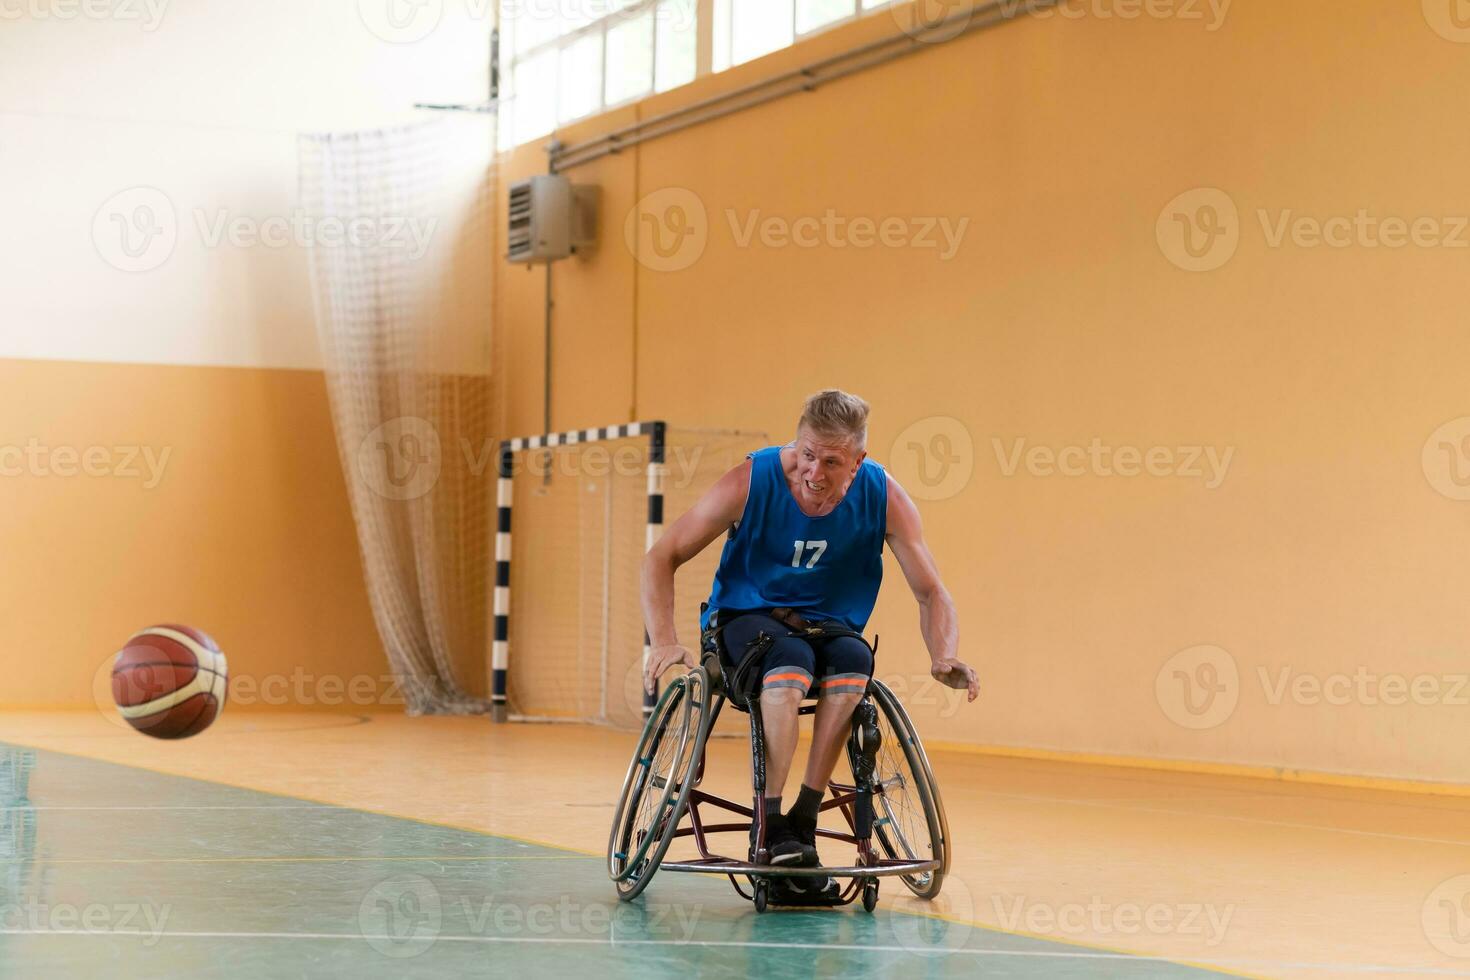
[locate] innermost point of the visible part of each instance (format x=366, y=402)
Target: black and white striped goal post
x=655, y=432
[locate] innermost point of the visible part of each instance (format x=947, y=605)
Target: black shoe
x=806, y=836
x=809, y=891
x=782, y=846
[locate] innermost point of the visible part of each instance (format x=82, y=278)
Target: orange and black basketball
x=169, y=681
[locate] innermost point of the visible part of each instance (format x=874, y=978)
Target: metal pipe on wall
x=804, y=79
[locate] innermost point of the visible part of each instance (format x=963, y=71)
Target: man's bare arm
x=938, y=621
x=720, y=507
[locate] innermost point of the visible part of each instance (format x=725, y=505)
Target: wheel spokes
x=658, y=783
x=903, y=796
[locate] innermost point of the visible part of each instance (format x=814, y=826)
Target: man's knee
x=847, y=667
x=781, y=699
x=788, y=669
x=780, y=709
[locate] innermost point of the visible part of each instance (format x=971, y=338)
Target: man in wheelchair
x=797, y=582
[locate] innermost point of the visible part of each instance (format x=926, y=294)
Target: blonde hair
x=833, y=412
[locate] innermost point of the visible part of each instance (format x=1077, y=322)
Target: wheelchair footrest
x=788, y=892
x=730, y=866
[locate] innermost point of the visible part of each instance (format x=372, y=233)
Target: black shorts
x=817, y=666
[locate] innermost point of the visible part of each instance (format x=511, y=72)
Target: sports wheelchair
x=891, y=808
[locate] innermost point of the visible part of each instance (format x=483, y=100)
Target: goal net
x=580, y=523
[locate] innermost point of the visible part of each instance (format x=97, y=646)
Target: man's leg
x=829, y=734
x=779, y=713
x=786, y=675
x=846, y=664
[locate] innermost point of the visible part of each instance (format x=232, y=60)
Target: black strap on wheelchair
x=821, y=630
x=709, y=641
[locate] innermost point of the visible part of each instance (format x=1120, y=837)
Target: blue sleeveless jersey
x=823, y=567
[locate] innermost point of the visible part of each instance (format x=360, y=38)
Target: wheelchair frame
x=632, y=869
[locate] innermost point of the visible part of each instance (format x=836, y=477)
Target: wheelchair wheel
x=657, y=786
x=909, y=821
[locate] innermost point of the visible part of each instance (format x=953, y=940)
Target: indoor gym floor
x=281, y=845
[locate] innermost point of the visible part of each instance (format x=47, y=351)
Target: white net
x=404, y=232
x=580, y=514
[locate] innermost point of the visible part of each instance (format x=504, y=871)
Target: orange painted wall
x=247, y=534
x=239, y=526
x=1327, y=552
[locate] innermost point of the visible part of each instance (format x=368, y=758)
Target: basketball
x=169, y=681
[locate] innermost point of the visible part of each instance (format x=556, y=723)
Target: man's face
x=825, y=466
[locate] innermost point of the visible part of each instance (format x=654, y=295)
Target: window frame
x=704, y=53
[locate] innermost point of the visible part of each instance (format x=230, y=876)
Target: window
x=563, y=60
x=630, y=58
x=814, y=14
x=675, y=44
x=759, y=27
x=580, y=83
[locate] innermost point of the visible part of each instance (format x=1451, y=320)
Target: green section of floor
x=118, y=872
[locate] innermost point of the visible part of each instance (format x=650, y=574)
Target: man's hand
x=956, y=674
x=661, y=659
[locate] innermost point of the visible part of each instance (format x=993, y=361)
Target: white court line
x=1225, y=816
x=1073, y=954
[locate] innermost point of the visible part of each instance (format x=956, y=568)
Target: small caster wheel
x=870, y=895
x=762, y=894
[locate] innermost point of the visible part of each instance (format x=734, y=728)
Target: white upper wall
x=180, y=118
